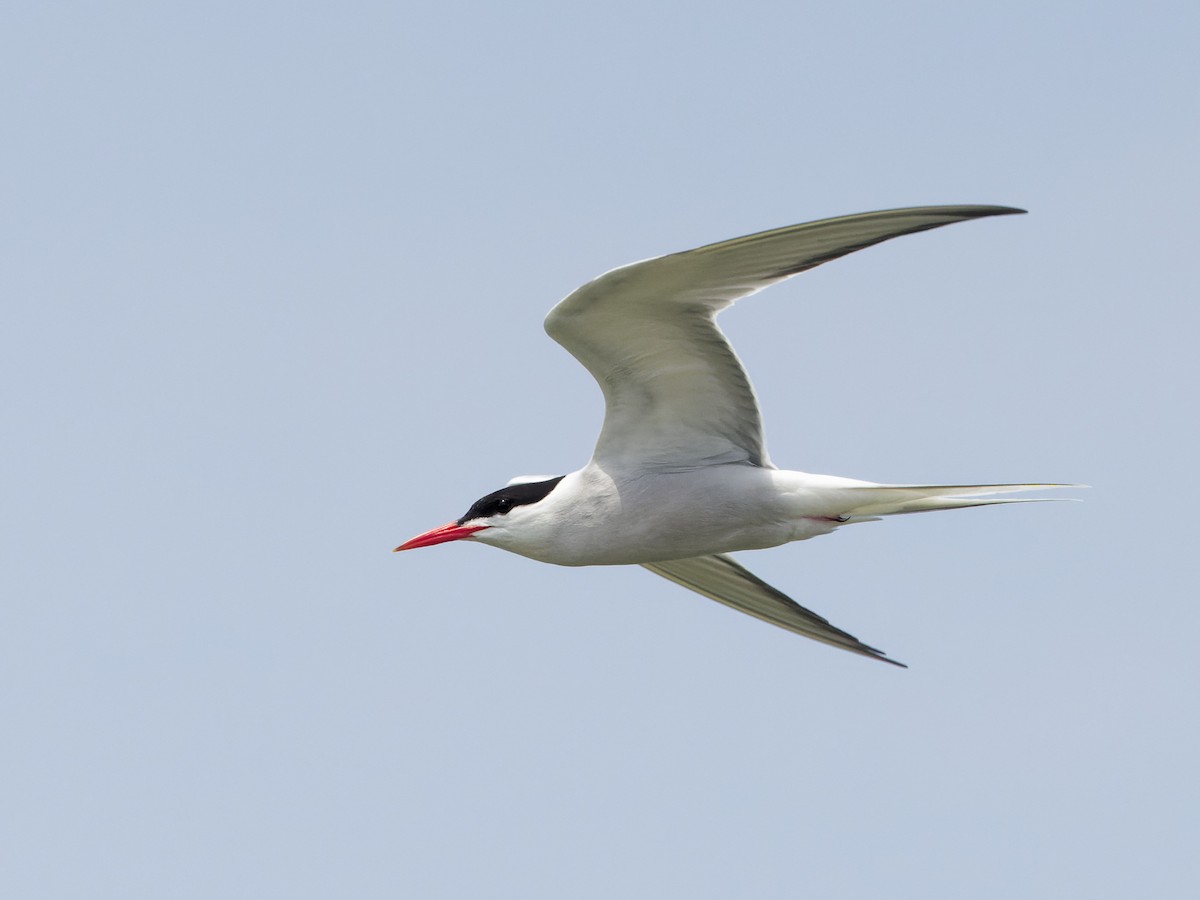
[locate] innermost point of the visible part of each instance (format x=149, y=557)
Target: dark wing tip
x=866, y=650
x=988, y=210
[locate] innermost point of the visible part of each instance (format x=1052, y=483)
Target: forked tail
x=896, y=499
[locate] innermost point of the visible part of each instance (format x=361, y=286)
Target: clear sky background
x=272, y=286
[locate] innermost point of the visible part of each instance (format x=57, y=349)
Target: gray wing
x=722, y=579
x=676, y=394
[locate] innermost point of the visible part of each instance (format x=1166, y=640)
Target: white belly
x=598, y=519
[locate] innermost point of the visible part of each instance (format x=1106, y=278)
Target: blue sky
x=274, y=277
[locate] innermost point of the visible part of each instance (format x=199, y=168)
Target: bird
x=680, y=476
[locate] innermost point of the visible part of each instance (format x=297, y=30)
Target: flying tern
x=680, y=476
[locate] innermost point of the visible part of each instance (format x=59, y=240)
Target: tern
x=680, y=476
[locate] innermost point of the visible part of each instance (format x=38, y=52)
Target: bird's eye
x=503, y=505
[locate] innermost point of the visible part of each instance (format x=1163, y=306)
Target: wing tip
x=1004, y=210
x=959, y=210
x=870, y=652
x=980, y=210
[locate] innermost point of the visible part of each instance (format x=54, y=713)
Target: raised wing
x=676, y=394
x=720, y=578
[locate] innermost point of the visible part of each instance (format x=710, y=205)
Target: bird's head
x=491, y=519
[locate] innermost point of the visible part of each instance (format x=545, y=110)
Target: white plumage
x=680, y=474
